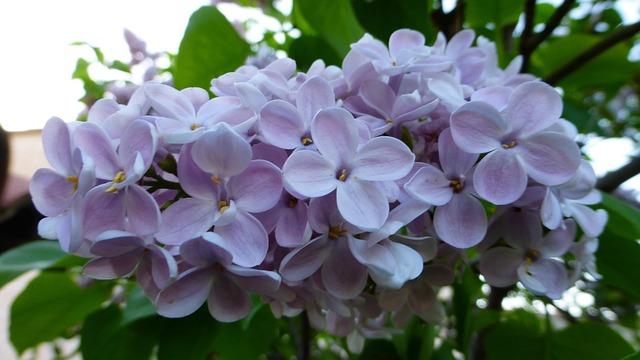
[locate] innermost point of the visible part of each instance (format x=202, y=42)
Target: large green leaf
x=335, y=21
x=105, y=337
x=381, y=18
x=210, y=47
x=52, y=303
x=33, y=255
x=611, y=68
x=187, y=338
x=479, y=13
x=588, y=341
x=307, y=48
x=519, y=336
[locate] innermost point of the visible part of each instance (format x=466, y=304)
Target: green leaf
x=635, y=356
x=465, y=295
x=307, y=48
x=52, y=303
x=381, y=18
x=138, y=305
x=624, y=220
x=104, y=337
x=479, y=13
x=187, y=338
x=246, y=339
x=519, y=336
x=210, y=47
x=589, y=340
x=333, y=20
x=379, y=349
x=33, y=255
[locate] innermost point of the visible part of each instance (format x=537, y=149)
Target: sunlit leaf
x=30, y=256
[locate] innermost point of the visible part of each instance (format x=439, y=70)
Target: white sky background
x=37, y=60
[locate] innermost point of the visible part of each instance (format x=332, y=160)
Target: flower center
x=117, y=179
x=74, y=180
x=194, y=126
x=223, y=206
x=531, y=256
x=216, y=180
x=305, y=140
x=335, y=232
x=343, y=175
x=511, y=144
x=456, y=185
x=293, y=202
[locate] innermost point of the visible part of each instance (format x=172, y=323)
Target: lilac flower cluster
x=350, y=193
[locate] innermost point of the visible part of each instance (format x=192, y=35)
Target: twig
x=525, y=51
x=612, y=39
x=551, y=25
x=613, y=179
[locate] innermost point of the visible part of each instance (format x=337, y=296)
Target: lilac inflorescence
x=351, y=193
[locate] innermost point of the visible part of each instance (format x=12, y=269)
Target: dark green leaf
x=464, y=298
x=210, y=47
x=335, y=21
x=635, y=356
x=624, y=220
x=379, y=349
x=519, y=336
x=246, y=339
x=52, y=303
x=104, y=337
x=381, y=18
x=306, y=49
x=138, y=306
x=33, y=255
x=187, y=338
x=586, y=341
x=499, y=12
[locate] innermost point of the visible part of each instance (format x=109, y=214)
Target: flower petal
x=56, y=143
x=430, y=186
x=245, y=238
x=499, y=266
x=227, y=302
x=186, y=294
x=382, y=159
x=302, y=262
x=185, y=219
x=314, y=95
x=222, y=152
x=477, y=127
x=550, y=158
x=335, y=133
x=500, y=178
x=461, y=222
x=533, y=106
x=362, y=203
x=309, y=174
x=281, y=125
x=342, y=275
x=258, y=188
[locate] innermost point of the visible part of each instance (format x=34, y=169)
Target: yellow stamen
x=194, y=126
x=74, y=180
x=293, y=202
x=531, y=256
x=343, y=175
x=223, y=206
x=389, y=121
x=117, y=179
x=509, y=145
x=456, y=185
x=216, y=180
x=305, y=140
x=335, y=232
x=394, y=63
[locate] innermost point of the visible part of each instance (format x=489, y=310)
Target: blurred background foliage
x=584, y=48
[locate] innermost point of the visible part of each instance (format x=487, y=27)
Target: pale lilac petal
x=310, y=174
x=549, y=158
x=250, y=96
x=103, y=211
x=409, y=266
x=421, y=297
x=142, y=211
x=196, y=96
x=169, y=102
x=477, y=127
x=404, y=39
x=51, y=192
x=174, y=131
x=376, y=257
x=448, y=89
x=494, y=95
x=186, y=294
x=281, y=125
x=314, y=95
x=95, y=143
x=500, y=177
x=56, y=143
x=335, y=133
x=258, y=188
x=163, y=265
x=378, y=96
x=551, y=212
x=430, y=186
x=362, y=203
x=324, y=214
x=139, y=138
x=302, y=262
x=246, y=239
x=342, y=275
x=254, y=280
x=455, y=162
x=462, y=222
x=382, y=159
x=193, y=180
x=499, y=266
x=460, y=42
x=545, y=276
x=558, y=242
x=185, y=219
x=591, y=221
x=227, y=302
x=115, y=243
x=292, y=228
x=222, y=152
x=533, y=106
x=398, y=217
x=270, y=153
x=205, y=251
x=107, y=268
x=101, y=110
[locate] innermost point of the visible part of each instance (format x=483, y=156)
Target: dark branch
x=529, y=22
x=613, y=179
x=551, y=25
x=612, y=39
